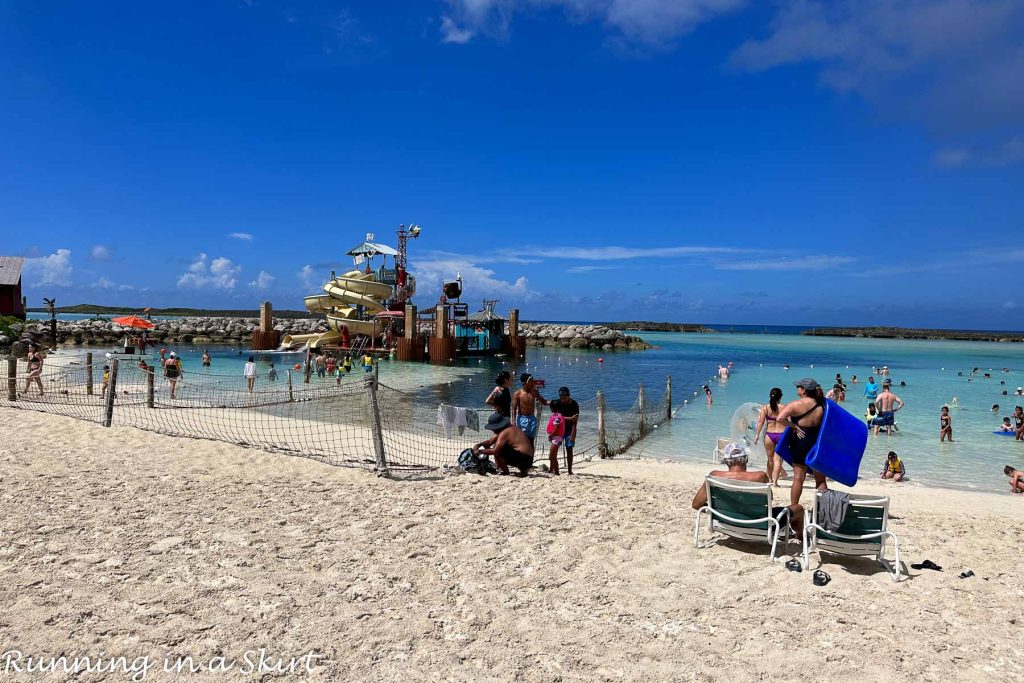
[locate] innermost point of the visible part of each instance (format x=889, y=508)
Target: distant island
x=93, y=309
x=648, y=326
x=914, y=333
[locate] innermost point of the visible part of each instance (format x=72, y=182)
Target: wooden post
x=150, y=400
x=602, y=442
x=375, y=427
x=309, y=365
x=668, y=398
x=88, y=373
x=376, y=369
x=291, y=397
x=410, y=321
x=12, y=379
x=108, y=408
x=641, y=404
x=441, y=321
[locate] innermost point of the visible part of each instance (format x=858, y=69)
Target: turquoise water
x=929, y=368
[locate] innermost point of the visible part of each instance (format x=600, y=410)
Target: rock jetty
x=580, y=337
x=914, y=333
x=238, y=332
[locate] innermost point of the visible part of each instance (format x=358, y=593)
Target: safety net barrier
x=346, y=423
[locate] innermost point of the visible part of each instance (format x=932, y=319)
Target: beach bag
x=556, y=425
x=473, y=464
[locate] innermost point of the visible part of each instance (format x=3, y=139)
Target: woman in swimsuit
x=945, y=425
x=1016, y=479
x=35, y=369
x=804, y=416
x=172, y=371
x=772, y=435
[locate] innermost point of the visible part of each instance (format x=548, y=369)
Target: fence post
x=375, y=427
x=376, y=370
x=88, y=373
x=291, y=397
x=12, y=379
x=602, y=443
x=108, y=402
x=641, y=403
x=309, y=366
x=668, y=398
x=150, y=401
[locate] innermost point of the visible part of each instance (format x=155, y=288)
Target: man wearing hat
x=803, y=416
x=736, y=461
x=509, y=445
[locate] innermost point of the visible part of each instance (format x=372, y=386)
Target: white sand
x=126, y=542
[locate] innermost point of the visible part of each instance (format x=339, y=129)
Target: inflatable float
x=840, y=446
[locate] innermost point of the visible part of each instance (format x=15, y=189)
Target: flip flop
x=794, y=566
x=820, y=578
x=927, y=564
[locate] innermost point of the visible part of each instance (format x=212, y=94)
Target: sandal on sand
x=820, y=578
x=794, y=566
x=927, y=564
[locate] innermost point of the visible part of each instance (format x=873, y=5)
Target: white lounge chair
x=742, y=510
x=862, y=533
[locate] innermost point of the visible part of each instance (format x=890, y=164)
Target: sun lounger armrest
x=847, y=537
x=720, y=515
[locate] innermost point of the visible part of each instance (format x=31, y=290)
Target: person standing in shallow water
x=250, y=373
x=803, y=416
x=772, y=435
x=945, y=425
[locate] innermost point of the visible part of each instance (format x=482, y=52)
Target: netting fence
x=346, y=423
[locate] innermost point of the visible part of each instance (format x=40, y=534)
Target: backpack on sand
x=470, y=462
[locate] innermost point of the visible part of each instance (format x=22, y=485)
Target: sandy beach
x=130, y=543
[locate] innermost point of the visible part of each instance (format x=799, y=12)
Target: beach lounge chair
x=862, y=533
x=742, y=510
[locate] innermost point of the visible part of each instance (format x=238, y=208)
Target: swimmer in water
x=955, y=402
x=945, y=425
x=1006, y=427
x=707, y=393
x=995, y=407
x=786, y=366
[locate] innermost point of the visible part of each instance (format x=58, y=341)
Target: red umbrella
x=134, y=321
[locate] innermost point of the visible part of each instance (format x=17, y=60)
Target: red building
x=11, y=302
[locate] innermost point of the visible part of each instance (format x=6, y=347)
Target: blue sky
x=729, y=161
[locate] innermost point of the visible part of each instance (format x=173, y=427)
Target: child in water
x=945, y=425
x=893, y=467
x=707, y=392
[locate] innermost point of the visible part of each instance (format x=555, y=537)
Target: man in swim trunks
x=524, y=406
x=804, y=416
x=738, y=471
x=888, y=404
x=871, y=390
x=509, y=446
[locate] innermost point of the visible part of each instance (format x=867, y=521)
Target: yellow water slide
x=339, y=303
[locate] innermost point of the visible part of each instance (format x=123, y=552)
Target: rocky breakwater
x=195, y=331
x=595, y=337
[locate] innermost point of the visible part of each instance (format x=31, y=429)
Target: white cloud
x=309, y=278
x=590, y=269
x=220, y=273
x=953, y=65
x=53, y=269
x=1010, y=305
x=105, y=283
x=263, y=281
x=614, y=253
x=101, y=252
x=477, y=281
x=650, y=22
x=241, y=236
x=453, y=33
x=785, y=263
